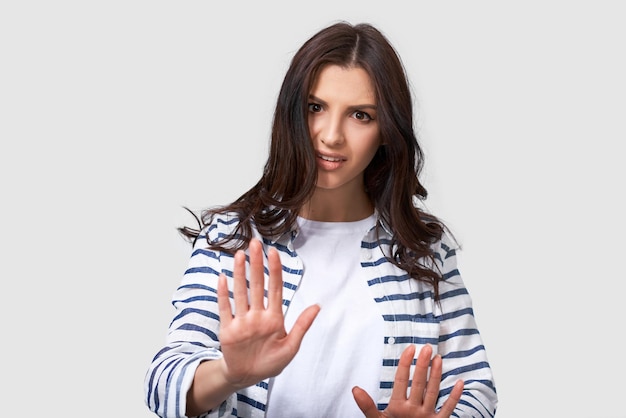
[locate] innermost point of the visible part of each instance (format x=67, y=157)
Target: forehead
x=344, y=84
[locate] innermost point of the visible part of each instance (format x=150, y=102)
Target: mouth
x=331, y=158
x=330, y=162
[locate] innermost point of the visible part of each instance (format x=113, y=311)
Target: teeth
x=334, y=160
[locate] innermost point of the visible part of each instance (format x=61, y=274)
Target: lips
x=331, y=157
x=330, y=161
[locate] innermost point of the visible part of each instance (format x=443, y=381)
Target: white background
x=114, y=115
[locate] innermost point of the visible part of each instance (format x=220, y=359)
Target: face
x=344, y=127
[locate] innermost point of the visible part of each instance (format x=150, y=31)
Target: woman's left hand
x=421, y=401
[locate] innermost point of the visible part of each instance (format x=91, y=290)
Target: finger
x=275, y=287
x=223, y=302
x=401, y=380
x=301, y=326
x=240, y=288
x=257, y=277
x=365, y=403
x=420, y=375
x=455, y=395
x=434, y=380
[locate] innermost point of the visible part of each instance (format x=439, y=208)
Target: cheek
x=373, y=142
x=314, y=125
x=368, y=149
x=367, y=136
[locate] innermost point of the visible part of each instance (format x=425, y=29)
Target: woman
x=331, y=245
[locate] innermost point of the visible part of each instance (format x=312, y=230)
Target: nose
x=332, y=134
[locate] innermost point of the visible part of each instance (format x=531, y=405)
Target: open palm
x=421, y=401
x=254, y=342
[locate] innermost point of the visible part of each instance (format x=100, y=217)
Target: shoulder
x=446, y=244
x=444, y=251
x=219, y=226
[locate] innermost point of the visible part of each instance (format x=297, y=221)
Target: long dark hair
x=391, y=179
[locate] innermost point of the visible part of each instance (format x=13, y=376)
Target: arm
x=252, y=346
x=254, y=341
x=192, y=337
x=460, y=344
x=459, y=372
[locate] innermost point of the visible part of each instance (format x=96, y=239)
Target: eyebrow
x=355, y=107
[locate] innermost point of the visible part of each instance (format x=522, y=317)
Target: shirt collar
x=294, y=231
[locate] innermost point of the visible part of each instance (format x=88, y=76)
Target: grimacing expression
x=343, y=125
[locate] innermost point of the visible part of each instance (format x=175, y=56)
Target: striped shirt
x=407, y=306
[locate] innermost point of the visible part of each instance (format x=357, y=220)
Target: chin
x=329, y=183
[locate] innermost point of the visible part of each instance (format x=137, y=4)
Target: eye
x=315, y=108
x=362, y=116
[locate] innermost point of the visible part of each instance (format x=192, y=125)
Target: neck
x=330, y=206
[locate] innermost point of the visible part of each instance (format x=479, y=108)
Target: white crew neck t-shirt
x=344, y=346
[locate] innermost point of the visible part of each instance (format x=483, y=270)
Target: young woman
x=326, y=290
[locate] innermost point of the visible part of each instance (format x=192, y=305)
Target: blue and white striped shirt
x=410, y=314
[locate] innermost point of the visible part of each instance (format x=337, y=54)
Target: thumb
x=302, y=324
x=365, y=403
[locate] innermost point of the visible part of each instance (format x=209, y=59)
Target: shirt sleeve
x=192, y=336
x=460, y=344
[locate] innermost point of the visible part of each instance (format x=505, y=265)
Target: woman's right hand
x=254, y=342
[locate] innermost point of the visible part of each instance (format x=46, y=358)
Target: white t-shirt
x=344, y=346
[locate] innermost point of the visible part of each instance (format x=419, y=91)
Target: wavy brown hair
x=391, y=178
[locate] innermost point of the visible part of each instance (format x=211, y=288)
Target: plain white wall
x=112, y=115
